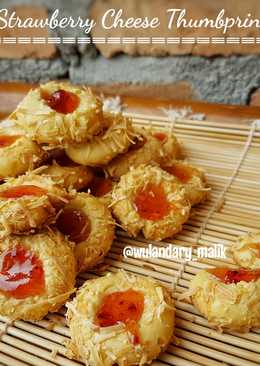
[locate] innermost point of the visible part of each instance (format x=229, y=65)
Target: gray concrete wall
x=219, y=79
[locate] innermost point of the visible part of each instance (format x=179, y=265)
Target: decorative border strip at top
x=130, y=40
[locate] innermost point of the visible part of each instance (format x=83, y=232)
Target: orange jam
x=21, y=273
x=6, y=140
x=151, y=202
x=255, y=246
x=122, y=306
x=62, y=101
x=160, y=136
x=100, y=186
x=23, y=190
x=75, y=224
x=234, y=276
x=183, y=173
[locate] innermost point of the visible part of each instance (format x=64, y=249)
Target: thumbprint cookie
x=29, y=202
x=229, y=299
x=88, y=223
x=115, y=139
x=150, y=200
x=37, y=274
x=120, y=319
x=59, y=113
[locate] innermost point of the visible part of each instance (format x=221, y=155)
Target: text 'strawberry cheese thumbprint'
x=37, y=274
x=229, y=299
x=59, y=113
x=150, y=200
x=28, y=203
x=130, y=320
x=87, y=222
x=246, y=251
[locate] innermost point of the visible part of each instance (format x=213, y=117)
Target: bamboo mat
x=230, y=154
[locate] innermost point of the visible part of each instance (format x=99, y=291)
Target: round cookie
x=29, y=202
x=59, y=113
x=246, y=251
x=37, y=274
x=120, y=319
x=149, y=147
x=115, y=140
x=229, y=299
x=18, y=153
x=69, y=177
x=191, y=177
x=150, y=200
x=87, y=222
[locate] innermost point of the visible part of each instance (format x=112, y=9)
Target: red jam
x=21, y=273
x=234, y=276
x=23, y=190
x=75, y=224
x=6, y=140
x=160, y=136
x=100, y=186
x=151, y=202
x=122, y=306
x=65, y=161
x=62, y=101
x=183, y=173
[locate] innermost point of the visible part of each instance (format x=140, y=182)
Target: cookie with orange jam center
x=28, y=203
x=192, y=178
x=130, y=320
x=37, y=274
x=150, y=200
x=228, y=298
x=58, y=113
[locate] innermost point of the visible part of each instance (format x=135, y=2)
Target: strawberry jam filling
x=122, y=306
x=23, y=190
x=151, y=202
x=183, y=173
x=234, y=276
x=21, y=273
x=100, y=186
x=160, y=136
x=6, y=140
x=75, y=224
x=62, y=101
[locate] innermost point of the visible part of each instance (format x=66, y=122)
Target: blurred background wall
x=220, y=73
